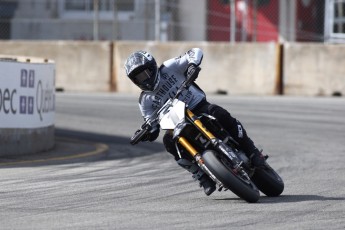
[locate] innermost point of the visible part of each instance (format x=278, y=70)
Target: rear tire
x=247, y=191
x=268, y=181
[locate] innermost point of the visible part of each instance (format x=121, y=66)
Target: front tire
x=230, y=180
x=268, y=181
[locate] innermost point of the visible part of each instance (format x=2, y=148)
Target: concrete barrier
x=313, y=69
x=27, y=108
x=242, y=68
x=238, y=69
x=80, y=66
x=27, y=105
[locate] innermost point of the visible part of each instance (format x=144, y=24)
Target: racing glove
x=192, y=71
x=149, y=136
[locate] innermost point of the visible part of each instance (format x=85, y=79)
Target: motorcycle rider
x=160, y=84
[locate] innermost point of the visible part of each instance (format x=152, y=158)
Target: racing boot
x=257, y=159
x=204, y=180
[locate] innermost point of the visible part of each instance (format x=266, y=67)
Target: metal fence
x=174, y=20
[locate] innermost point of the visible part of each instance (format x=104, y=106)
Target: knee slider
x=223, y=116
x=220, y=113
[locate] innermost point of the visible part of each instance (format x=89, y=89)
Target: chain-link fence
x=174, y=20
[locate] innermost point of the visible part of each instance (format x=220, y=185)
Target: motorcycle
x=213, y=149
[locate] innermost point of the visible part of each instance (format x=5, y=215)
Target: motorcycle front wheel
x=243, y=189
x=268, y=181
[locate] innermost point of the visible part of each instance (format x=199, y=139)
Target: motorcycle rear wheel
x=230, y=180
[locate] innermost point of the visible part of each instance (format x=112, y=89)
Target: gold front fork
x=197, y=156
x=185, y=143
x=199, y=125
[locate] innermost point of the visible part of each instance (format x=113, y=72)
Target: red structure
x=259, y=20
x=310, y=20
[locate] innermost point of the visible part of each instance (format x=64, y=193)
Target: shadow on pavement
x=297, y=198
x=287, y=199
x=77, y=147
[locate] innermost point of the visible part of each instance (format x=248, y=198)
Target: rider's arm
x=146, y=110
x=194, y=56
x=180, y=64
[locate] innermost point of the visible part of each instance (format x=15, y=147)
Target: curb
x=64, y=149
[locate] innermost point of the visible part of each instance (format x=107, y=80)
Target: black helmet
x=141, y=68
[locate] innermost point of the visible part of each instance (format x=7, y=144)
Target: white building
x=114, y=20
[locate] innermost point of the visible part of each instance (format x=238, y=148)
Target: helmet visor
x=144, y=80
x=142, y=77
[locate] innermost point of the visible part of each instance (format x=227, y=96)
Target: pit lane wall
x=27, y=105
x=295, y=69
x=301, y=69
x=80, y=65
x=235, y=69
x=314, y=69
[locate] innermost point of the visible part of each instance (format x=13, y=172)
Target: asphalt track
x=94, y=179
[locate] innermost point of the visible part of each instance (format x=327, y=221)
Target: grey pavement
x=141, y=187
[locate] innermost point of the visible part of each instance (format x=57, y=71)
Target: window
x=83, y=9
x=79, y=5
x=339, y=17
x=335, y=21
x=103, y=5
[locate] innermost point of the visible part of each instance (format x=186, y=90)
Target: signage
x=27, y=94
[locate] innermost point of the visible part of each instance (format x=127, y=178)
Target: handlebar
x=139, y=135
x=192, y=77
